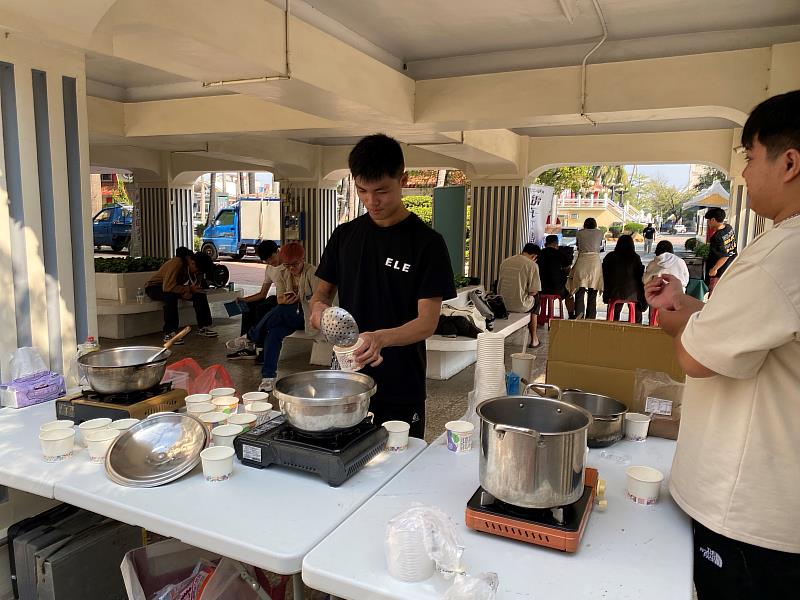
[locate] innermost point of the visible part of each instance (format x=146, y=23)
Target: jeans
x=648, y=246
x=589, y=311
x=281, y=321
x=170, y=299
x=257, y=310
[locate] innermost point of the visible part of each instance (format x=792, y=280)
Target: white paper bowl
x=346, y=358
x=459, y=436
x=398, y=435
x=123, y=424
x=214, y=419
x=644, y=484
x=244, y=420
x=255, y=397
x=196, y=398
x=636, y=426
x=60, y=424
x=99, y=442
x=259, y=409
x=90, y=425
x=217, y=463
x=222, y=391
x=226, y=404
x=57, y=444
x=224, y=434
x=199, y=408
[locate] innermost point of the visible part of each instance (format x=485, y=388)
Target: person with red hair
x=295, y=285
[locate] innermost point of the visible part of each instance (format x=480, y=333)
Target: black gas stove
x=334, y=456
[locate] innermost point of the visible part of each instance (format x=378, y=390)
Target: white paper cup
x=197, y=398
x=226, y=404
x=214, y=419
x=636, y=426
x=217, y=463
x=91, y=425
x=255, y=397
x=345, y=356
x=260, y=409
x=122, y=424
x=644, y=484
x=199, y=408
x=459, y=436
x=99, y=442
x=224, y=434
x=223, y=391
x=60, y=424
x=245, y=420
x=522, y=364
x=57, y=444
x=398, y=435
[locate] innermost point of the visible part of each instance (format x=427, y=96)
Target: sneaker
x=239, y=343
x=169, y=336
x=207, y=332
x=243, y=354
x=266, y=384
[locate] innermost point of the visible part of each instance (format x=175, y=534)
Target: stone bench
x=120, y=320
x=321, y=350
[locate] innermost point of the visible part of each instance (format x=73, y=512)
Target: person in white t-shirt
x=519, y=285
x=667, y=263
x=736, y=471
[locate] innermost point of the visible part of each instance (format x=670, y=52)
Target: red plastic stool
x=547, y=308
x=631, y=310
x=653, y=317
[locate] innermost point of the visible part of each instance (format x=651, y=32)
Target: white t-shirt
x=519, y=275
x=737, y=464
x=271, y=274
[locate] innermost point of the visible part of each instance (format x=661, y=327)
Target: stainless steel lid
x=325, y=388
x=157, y=450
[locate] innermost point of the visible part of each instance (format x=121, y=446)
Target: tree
x=609, y=175
x=120, y=195
x=660, y=198
x=212, y=199
x=566, y=178
x=422, y=206
x=709, y=176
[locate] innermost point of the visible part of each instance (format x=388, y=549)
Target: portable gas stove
x=334, y=456
x=560, y=528
x=139, y=405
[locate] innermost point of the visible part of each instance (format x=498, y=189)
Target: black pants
x=590, y=310
x=170, y=300
x=412, y=411
x=618, y=311
x=258, y=309
x=726, y=568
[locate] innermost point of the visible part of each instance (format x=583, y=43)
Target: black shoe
x=243, y=354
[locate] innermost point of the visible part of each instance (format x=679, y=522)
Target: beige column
x=319, y=207
x=166, y=218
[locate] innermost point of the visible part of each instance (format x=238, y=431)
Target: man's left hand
x=712, y=272
x=370, y=351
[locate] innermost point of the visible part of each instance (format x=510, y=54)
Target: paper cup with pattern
x=246, y=420
x=636, y=426
x=398, y=435
x=346, y=358
x=217, y=463
x=224, y=434
x=226, y=404
x=644, y=484
x=459, y=436
x=57, y=444
x=98, y=443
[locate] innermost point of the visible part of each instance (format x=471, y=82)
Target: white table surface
x=268, y=518
x=628, y=551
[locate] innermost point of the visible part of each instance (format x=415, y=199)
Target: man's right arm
x=322, y=299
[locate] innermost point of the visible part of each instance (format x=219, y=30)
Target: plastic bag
x=26, y=361
x=213, y=377
x=482, y=586
x=185, y=370
x=439, y=536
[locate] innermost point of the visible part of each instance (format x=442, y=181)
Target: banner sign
x=540, y=205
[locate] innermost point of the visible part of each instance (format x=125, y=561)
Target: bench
x=117, y=320
x=448, y=356
x=321, y=350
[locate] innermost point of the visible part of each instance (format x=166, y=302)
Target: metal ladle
x=339, y=327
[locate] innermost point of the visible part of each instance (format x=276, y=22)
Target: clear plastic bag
x=438, y=533
x=25, y=361
x=482, y=586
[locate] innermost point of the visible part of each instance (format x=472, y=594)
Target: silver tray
x=157, y=450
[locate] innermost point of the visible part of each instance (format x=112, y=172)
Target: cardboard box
x=602, y=357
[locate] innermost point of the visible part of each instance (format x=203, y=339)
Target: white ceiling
x=664, y=125
x=126, y=74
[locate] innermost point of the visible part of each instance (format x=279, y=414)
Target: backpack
x=478, y=301
x=497, y=305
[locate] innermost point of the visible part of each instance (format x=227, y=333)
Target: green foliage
x=199, y=229
x=602, y=229
x=566, y=178
x=691, y=243
x=702, y=250
x=197, y=243
x=460, y=281
x=616, y=231
x=128, y=264
x=660, y=198
x=120, y=195
x=634, y=227
x=422, y=206
x=709, y=176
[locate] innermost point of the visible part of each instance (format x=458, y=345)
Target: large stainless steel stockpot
x=318, y=401
x=533, y=449
x=125, y=369
x=608, y=414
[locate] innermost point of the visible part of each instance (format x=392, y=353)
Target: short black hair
x=649, y=224
x=717, y=214
x=266, y=249
x=664, y=246
x=551, y=239
x=531, y=248
x=203, y=262
x=776, y=124
x=590, y=223
x=183, y=252
x=625, y=245
x=375, y=157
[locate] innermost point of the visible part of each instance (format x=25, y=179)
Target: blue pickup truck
x=112, y=227
x=241, y=227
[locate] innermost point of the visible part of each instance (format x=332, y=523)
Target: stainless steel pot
x=533, y=449
x=319, y=401
x=608, y=414
x=125, y=369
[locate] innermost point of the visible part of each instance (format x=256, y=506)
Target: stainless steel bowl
x=124, y=369
x=324, y=400
x=608, y=414
x=157, y=450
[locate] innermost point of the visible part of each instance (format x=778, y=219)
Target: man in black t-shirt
x=391, y=272
x=722, y=249
x=649, y=234
x=554, y=266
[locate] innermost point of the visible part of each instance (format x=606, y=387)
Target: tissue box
x=32, y=389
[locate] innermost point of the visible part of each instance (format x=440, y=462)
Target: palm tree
x=212, y=200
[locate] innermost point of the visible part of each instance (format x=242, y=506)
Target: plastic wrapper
x=482, y=586
x=25, y=361
x=184, y=372
x=213, y=377
x=190, y=588
x=439, y=536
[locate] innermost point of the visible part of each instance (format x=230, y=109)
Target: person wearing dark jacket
x=554, y=266
x=622, y=276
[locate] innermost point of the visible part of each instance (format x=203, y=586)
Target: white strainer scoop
x=339, y=327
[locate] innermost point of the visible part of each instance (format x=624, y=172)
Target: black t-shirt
x=552, y=263
x=381, y=273
x=649, y=233
x=723, y=243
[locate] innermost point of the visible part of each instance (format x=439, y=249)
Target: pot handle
x=542, y=386
x=512, y=429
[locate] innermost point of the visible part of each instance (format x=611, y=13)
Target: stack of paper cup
x=490, y=370
x=406, y=556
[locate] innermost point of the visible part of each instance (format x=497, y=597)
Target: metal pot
x=318, y=401
x=125, y=369
x=533, y=449
x=608, y=415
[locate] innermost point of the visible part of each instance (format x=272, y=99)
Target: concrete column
x=166, y=218
x=499, y=227
x=46, y=264
x=318, y=204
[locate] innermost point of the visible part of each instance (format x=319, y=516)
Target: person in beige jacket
x=586, y=277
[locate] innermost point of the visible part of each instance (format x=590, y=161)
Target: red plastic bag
x=213, y=377
x=184, y=374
